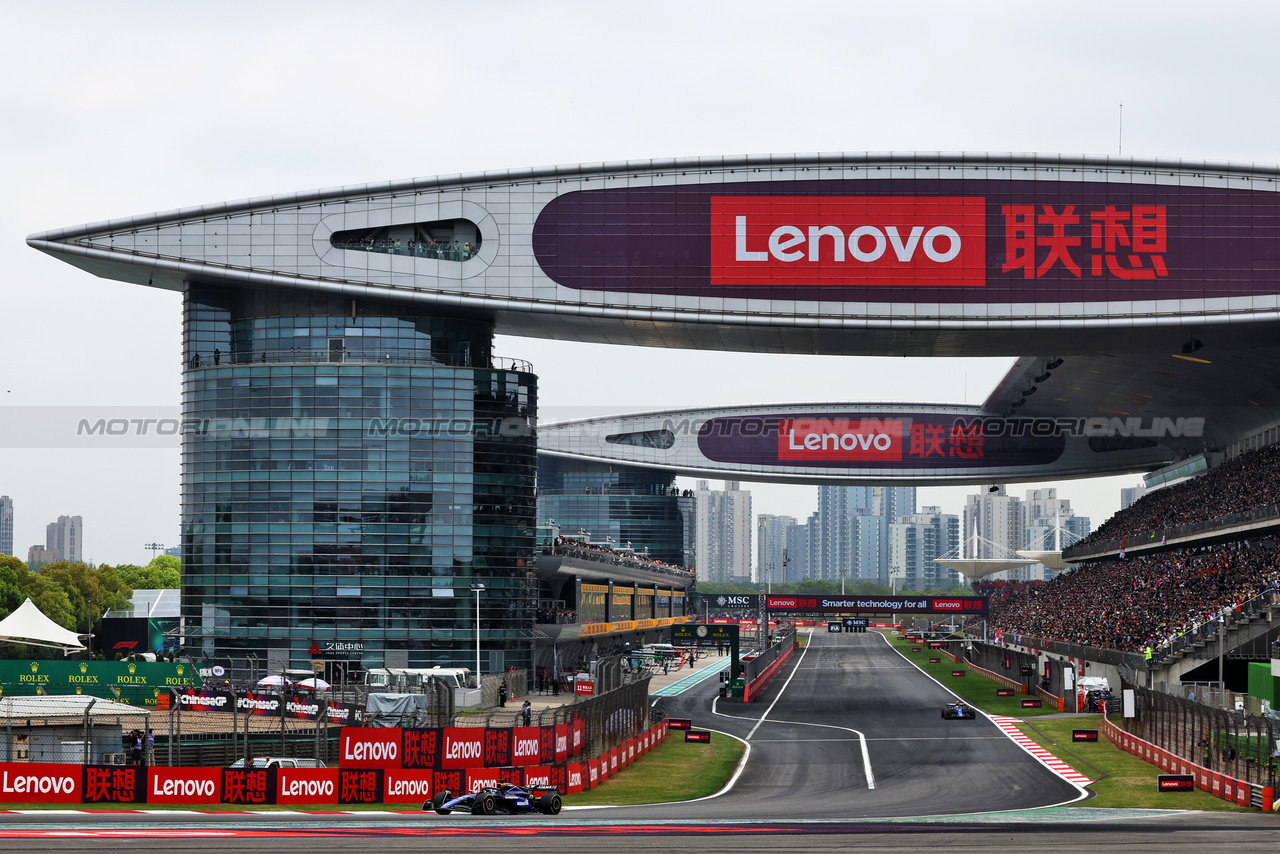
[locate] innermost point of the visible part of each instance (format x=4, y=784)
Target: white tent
x=29, y=625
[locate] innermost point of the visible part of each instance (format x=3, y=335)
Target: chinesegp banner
x=879, y=604
x=205, y=699
x=183, y=785
x=303, y=707
x=344, y=714
x=100, y=784
x=258, y=703
x=406, y=786
x=307, y=786
x=24, y=782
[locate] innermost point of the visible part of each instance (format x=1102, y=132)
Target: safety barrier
x=1214, y=782
x=1056, y=700
x=373, y=771
x=996, y=677
x=757, y=684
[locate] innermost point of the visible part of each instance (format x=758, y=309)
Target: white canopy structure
x=65, y=706
x=1052, y=559
x=974, y=568
x=30, y=626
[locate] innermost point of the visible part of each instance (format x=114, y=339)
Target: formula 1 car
x=502, y=799
x=958, y=711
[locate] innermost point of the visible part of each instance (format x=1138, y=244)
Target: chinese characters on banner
x=960, y=440
x=1128, y=242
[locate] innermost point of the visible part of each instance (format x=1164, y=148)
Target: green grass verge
x=673, y=771
x=973, y=687
x=1124, y=780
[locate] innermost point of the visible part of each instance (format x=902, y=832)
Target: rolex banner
x=133, y=682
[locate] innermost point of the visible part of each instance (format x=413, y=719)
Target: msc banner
x=879, y=604
x=732, y=602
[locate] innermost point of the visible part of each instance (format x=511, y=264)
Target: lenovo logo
x=469, y=749
x=839, y=439
x=526, y=747
x=369, y=751
x=848, y=240
x=183, y=787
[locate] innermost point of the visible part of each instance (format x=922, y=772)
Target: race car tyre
x=439, y=801
x=488, y=805
x=549, y=804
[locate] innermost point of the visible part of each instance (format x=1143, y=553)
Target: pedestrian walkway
x=677, y=684
x=1009, y=727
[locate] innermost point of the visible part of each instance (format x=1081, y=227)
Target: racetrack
x=805, y=774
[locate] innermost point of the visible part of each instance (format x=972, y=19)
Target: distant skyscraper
x=891, y=503
x=771, y=542
x=834, y=548
x=6, y=525
x=915, y=541
x=723, y=540
x=66, y=537
x=996, y=518
x=797, y=553
x=1047, y=513
x=1130, y=494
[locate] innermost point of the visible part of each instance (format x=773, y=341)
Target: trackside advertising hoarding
x=878, y=604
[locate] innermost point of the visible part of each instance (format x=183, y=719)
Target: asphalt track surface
x=847, y=699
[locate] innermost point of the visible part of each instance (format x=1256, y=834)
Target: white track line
x=862, y=739
x=1084, y=793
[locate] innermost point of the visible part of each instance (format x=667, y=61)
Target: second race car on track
x=958, y=711
x=502, y=799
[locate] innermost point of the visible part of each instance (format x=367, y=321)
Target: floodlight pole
x=477, y=588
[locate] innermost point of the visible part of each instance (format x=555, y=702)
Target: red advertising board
x=369, y=747
x=463, y=748
x=307, y=786
x=839, y=439
x=478, y=777
x=539, y=775
x=562, y=742
x=526, y=745
x=576, y=778
x=408, y=786
x=40, y=782
x=185, y=785
x=579, y=732
x=584, y=686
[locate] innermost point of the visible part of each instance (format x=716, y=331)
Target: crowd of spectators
x=560, y=616
x=1243, y=483
x=569, y=547
x=1140, y=602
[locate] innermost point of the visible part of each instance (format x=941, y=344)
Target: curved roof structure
x=1144, y=292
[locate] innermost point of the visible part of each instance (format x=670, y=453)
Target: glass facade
x=618, y=504
x=349, y=470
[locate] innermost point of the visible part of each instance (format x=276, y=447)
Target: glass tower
x=349, y=469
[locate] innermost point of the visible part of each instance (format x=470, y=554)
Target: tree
x=89, y=592
x=163, y=573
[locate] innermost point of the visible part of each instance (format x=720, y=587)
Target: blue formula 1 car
x=502, y=799
x=959, y=711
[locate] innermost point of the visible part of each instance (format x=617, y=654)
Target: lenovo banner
x=526, y=746
x=463, y=748
x=562, y=742
x=879, y=604
x=249, y=786
x=360, y=785
x=23, y=782
x=370, y=747
x=419, y=748
x=183, y=785
x=307, y=786
x=406, y=786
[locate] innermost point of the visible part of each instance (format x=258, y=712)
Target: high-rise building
x=835, y=549
x=723, y=539
x=6, y=525
x=995, y=524
x=1051, y=526
x=890, y=503
x=393, y=467
x=797, y=553
x=1130, y=494
x=623, y=506
x=66, y=537
x=772, y=534
x=915, y=541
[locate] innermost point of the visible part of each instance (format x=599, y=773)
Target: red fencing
x=757, y=685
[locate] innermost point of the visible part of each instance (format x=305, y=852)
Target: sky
x=131, y=107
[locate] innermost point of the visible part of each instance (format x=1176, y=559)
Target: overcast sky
x=113, y=109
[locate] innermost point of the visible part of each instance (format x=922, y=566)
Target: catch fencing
x=1234, y=743
x=215, y=727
